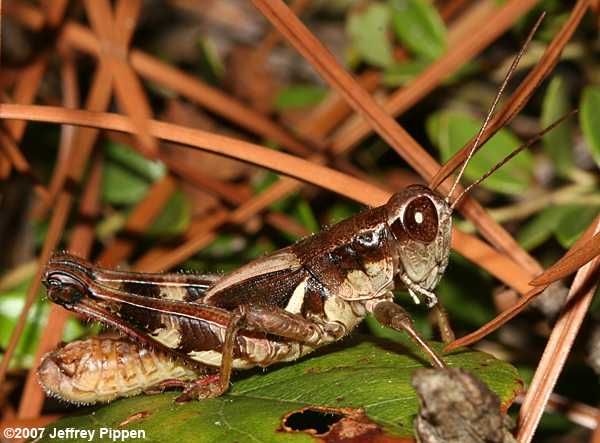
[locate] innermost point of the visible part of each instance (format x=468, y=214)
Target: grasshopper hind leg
x=393, y=316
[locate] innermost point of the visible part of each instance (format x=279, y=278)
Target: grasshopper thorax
x=420, y=222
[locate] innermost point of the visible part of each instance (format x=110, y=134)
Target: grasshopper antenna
x=507, y=77
x=525, y=145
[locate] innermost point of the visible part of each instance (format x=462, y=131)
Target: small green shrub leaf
x=299, y=96
x=368, y=32
x=589, y=118
x=174, y=218
x=126, y=175
x=419, y=27
x=558, y=143
x=450, y=130
x=541, y=227
x=11, y=305
x=573, y=222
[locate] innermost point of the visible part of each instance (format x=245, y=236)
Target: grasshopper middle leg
x=272, y=320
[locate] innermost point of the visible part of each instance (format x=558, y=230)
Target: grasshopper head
x=65, y=278
x=420, y=221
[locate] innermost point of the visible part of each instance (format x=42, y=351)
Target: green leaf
x=362, y=373
x=419, y=27
x=573, y=222
x=589, y=118
x=558, y=143
x=210, y=65
x=398, y=74
x=450, y=130
x=299, y=96
x=541, y=227
x=368, y=31
x=11, y=305
x=264, y=182
x=126, y=175
x=340, y=211
x=306, y=216
x=174, y=218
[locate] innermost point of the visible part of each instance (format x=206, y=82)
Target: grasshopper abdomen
x=101, y=369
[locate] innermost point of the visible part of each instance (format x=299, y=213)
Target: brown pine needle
x=497, y=322
x=275, y=160
x=191, y=87
x=570, y=262
x=558, y=347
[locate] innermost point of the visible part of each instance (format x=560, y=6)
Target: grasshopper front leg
x=393, y=316
x=268, y=319
x=444, y=324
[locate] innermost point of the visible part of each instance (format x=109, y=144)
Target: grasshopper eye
x=421, y=220
x=62, y=281
x=53, y=283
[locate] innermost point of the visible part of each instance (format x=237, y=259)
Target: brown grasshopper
x=274, y=309
x=279, y=307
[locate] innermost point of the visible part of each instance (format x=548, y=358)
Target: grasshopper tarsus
x=202, y=388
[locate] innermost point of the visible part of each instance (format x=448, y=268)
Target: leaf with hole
x=363, y=372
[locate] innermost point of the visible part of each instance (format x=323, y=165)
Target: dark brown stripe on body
x=271, y=289
x=314, y=298
x=141, y=288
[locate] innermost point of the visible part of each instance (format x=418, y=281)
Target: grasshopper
x=280, y=307
x=277, y=308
